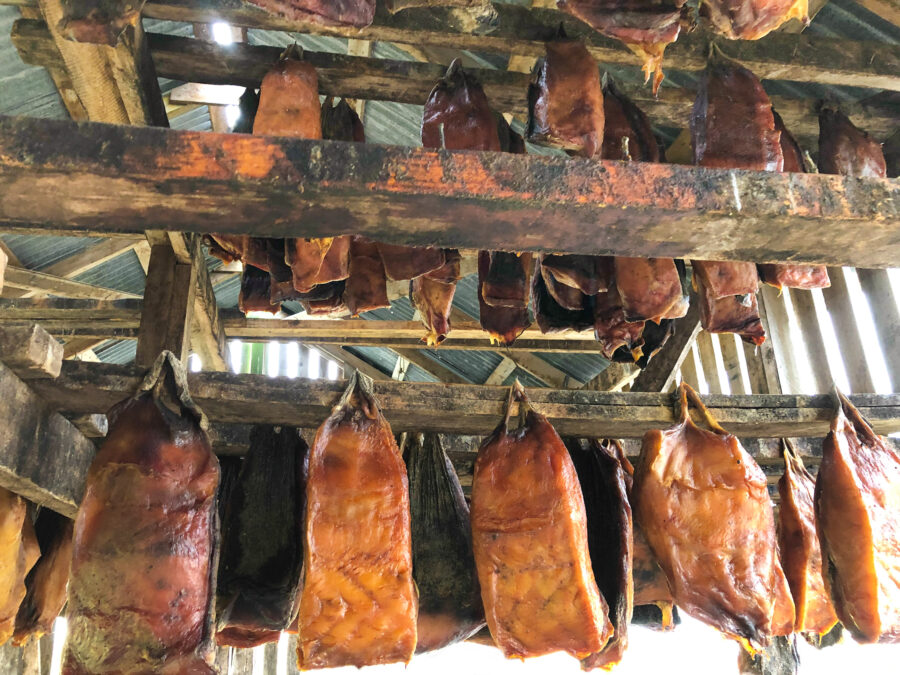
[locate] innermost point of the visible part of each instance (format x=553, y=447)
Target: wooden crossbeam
x=66, y=177
x=356, y=77
x=468, y=409
x=523, y=31
x=30, y=351
x=43, y=283
x=43, y=456
x=660, y=372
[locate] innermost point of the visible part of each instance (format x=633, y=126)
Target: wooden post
x=660, y=372
x=756, y=370
x=837, y=300
x=728, y=344
x=708, y=362
x=877, y=286
x=689, y=369
x=30, y=351
x=168, y=307
x=808, y=322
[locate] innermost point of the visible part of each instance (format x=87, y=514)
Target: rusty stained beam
x=88, y=178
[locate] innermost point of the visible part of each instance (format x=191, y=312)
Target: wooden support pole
x=660, y=372
x=168, y=307
x=503, y=370
x=840, y=307
x=753, y=357
x=4, y=259
x=728, y=345
x=708, y=362
x=467, y=409
x=256, y=185
x=689, y=369
x=781, y=339
x=808, y=322
x=30, y=351
x=43, y=457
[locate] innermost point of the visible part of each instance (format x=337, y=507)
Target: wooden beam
x=503, y=370
x=168, y=308
x=352, y=362
x=708, y=362
x=43, y=457
x=42, y=283
x=779, y=335
x=523, y=31
x=66, y=177
x=207, y=328
x=728, y=345
x=358, y=77
x=469, y=409
x=660, y=372
x=30, y=351
x=615, y=377
x=889, y=10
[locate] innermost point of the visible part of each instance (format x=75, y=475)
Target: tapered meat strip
x=529, y=533
x=703, y=504
x=19, y=551
x=366, y=286
x=857, y=501
x=611, y=326
x=649, y=288
x=626, y=132
x=508, y=280
x=358, y=605
x=846, y=150
x=552, y=317
x=503, y=324
x=432, y=294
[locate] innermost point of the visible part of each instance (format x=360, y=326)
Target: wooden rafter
x=469, y=409
x=130, y=178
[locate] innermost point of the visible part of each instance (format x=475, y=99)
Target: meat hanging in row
x=450, y=607
x=529, y=534
x=19, y=551
x=141, y=590
x=857, y=507
x=261, y=555
x=703, y=504
x=358, y=605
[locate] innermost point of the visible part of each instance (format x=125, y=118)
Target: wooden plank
x=92, y=426
x=796, y=25
x=877, y=287
x=756, y=369
x=889, y=10
x=168, y=307
x=778, y=332
x=4, y=259
x=660, y=372
x=522, y=31
x=414, y=196
x=42, y=455
x=469, y=409
x=30, y=351
x=207, y=331
x=840, y=307
x=708, y=362
x=689, y=369
x=40, y=282
x=241, y=662
x=503, y=370
x=352, y=362
x=808, y=322
x=614, y=377
x=728, y=344
x=92, y=257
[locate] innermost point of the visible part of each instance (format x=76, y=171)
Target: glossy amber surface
x=18, y=553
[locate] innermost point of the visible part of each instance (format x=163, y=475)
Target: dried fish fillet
x=529, y=533
x=752, y=19
x=703, y=504
x=857, y=510
x=358, y=605
x=19, y=551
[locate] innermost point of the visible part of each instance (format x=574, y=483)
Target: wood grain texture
x=469, y=409
x=660, y=372
x=69, y=177
x=877, y=287
x=30, y=351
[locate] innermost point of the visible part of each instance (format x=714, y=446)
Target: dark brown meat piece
x=409, y=262
x=366, y=286
x=612, y=329
x=565, y=100
x=703, y=504
x=751, y=19
x=591, y=274
x=256, y=291
x=247, y=107
x=141, y=591
x=450, y=606
x=624, y=120
x=341, y=123
x=646, y=27
x=857, y=514
x=358, y=605
x=846, y=150
x=530, y=537
x=356, y=13
x=289, y=101
x=567, y=297
x=325, y=299
x=604, y=488
x=510, y=141
x=730, y=314
x=457, y=115
x=19, y=551
x=46, y=582
x=262, y=556
x=508, y=280
x=432, y=294
x=649, y=288
x=503, y=324
x=552, y=317
x=721, y=279
x=281, y=286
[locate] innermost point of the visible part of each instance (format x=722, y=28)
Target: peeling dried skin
x=857, y=501
x=703, y=505
x=366, y=286
x=450, y=606
x=590, y=274
x=721, y=279
x=281, y=285
x=552, y=317
x=730, y=314
x=846, y=150
x=432, y=294
x=604, y=488
x=261, y=560
x=256, y=291
x=19, y=552
x=503, y=324
x=751, y=19
x=649, y=288
x=625, y=120
x=508, y=280
x=325, y=299
x=567, y=297
x=798, y=544
x=358, y=13
x=611, y=327
x=142, y=575
x=358, y=605
x=529, y=533
x=645, y=26
x=409, y=262
x=565, y=100
x=46, y=582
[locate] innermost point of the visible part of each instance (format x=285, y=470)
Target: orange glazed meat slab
x=702, y=503
x=359, y=604
x=858, y=519
x=529, y=534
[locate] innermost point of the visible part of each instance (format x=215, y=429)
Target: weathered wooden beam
x=30, y=351
x=470, y=409
x=503, y=370
x=43, y=457
x=68, y=177
x=356, y=77
x=93, y=426
x=660, y=372
x=808, y=323
x=889, y=10
x=432, y=366
x=523, y=31
x=43, y=283
x=168, y=307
